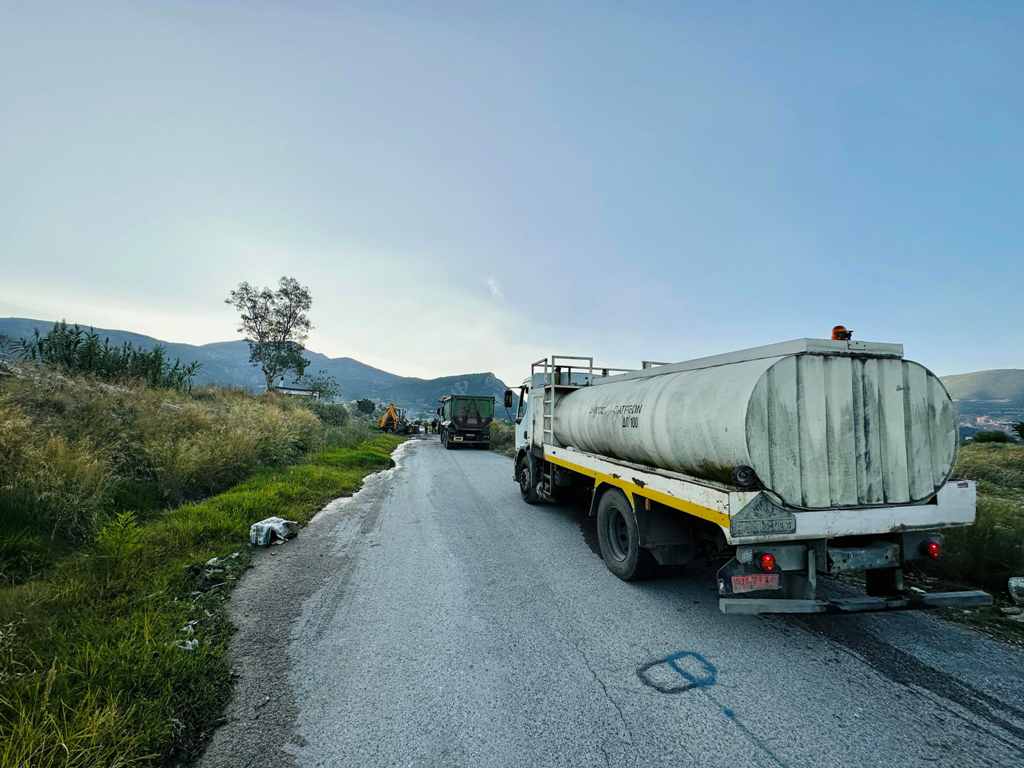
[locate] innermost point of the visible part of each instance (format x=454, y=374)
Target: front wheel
x=619, y=537
x=446, y=440
x=527, y=479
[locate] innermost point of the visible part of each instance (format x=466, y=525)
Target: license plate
x=754, y=582
x=458, y=439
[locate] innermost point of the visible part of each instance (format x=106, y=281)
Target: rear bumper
x=756, y=519
x=908, y=601
x=462, y=440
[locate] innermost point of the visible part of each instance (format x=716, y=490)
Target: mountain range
x=226, y=363
x=998, y=393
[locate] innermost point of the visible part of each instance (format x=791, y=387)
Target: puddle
x=370, y=484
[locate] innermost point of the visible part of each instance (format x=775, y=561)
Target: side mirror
x=508, y=398
x=438, y=411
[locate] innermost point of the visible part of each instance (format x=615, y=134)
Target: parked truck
x=788, y=461
x=466, y=420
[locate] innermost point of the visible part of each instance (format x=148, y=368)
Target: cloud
x=494, y=288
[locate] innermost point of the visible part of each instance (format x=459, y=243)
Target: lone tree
x=276, y=325
x=366, y=406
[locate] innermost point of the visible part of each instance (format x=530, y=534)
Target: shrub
x=78, y=351
x=332, y=414
x=993, y=436
x=349, y=435
x=503, y=437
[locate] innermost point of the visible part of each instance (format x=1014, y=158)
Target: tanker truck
x=788, y=461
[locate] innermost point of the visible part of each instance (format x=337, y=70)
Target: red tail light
x=933, y=549
x=766, y=561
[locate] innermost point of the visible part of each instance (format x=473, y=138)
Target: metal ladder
x=558, y=371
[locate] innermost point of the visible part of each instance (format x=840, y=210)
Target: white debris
x=188, y=645
x=1016, y=588
x=266, y=532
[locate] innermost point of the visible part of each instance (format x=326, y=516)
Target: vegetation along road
x=435, y=619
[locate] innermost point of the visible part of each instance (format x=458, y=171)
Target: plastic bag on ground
x=266, y=532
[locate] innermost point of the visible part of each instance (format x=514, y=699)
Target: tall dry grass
x=76, y=451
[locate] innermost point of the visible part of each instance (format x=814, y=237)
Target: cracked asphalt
x=436, y=619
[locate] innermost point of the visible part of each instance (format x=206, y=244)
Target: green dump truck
x=466, y=420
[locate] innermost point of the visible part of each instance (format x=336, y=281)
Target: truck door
x=523, y=418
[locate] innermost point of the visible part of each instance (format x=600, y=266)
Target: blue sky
x=469, y=187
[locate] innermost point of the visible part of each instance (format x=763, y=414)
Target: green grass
x=991, y=550
x=91, y=668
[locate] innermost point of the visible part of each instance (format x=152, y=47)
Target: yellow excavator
x=393, y=420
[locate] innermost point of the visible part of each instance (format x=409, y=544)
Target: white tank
x=821, y=423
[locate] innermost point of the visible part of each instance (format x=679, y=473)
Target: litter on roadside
x=273, y=529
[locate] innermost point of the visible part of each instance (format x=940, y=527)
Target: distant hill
x=226, y=363
x=988, y=400
x=1002, y=384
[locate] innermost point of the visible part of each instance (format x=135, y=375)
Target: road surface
x=436, y=619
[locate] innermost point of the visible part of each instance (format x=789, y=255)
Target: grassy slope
x=91, y=673
x=992, y=549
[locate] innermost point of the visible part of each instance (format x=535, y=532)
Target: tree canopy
x=276, y=324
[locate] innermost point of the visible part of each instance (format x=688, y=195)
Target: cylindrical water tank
x=819, y=430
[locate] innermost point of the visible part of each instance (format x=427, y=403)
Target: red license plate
x=754, y=582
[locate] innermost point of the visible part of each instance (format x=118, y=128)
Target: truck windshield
x=482, y=408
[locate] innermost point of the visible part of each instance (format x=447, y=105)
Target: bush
x=993, y=436
x=75, y=350
x=503, y=437
x=349, y=435
x=332, y=414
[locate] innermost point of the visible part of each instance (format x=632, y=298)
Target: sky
x=468, y=186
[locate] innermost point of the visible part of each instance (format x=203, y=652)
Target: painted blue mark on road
x=679, y=672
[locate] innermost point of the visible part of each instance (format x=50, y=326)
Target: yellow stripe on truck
x=632, y=489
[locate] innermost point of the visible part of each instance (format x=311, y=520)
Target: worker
x=841, y=333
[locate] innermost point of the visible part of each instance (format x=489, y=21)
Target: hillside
x=226, y=363
x=1002, y=384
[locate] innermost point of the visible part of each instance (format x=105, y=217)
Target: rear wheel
x=619, y=537
x=527, y=479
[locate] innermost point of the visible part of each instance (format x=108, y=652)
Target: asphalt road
x=436, y=619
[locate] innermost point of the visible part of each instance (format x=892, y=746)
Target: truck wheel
x=527, y=480
x=445, y=441
x=619, y=537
